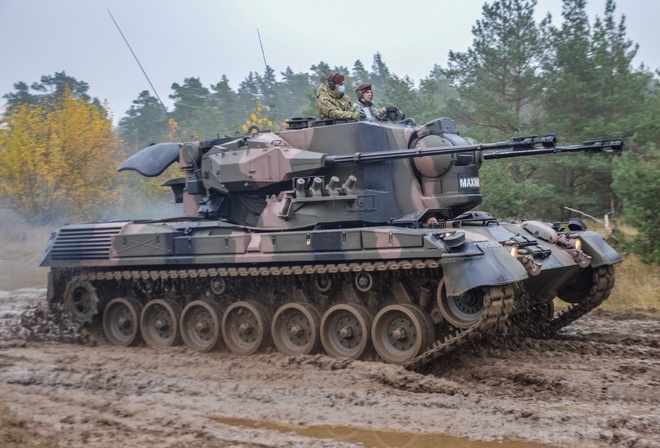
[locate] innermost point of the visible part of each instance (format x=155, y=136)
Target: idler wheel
x=159, y=323
x=295, y=329
x=245, y=327
x=200, y=326
x=401, y=332
x=461, y=311
x=345, y=330
x=121, y=321
x=81, y=301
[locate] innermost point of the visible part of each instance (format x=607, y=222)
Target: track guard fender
x=601, y=253
x=494, y=267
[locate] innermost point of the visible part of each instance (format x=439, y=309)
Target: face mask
x=341, y=89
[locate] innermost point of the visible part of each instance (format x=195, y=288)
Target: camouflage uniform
x=333, y=105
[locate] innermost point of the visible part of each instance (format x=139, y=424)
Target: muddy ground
x=596, y=384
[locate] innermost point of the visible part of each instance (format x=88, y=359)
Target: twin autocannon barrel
x=521, y=146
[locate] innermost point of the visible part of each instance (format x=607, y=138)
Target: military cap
x=363, y=87
x=336, y=78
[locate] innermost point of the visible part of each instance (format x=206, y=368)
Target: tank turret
x=368, y=173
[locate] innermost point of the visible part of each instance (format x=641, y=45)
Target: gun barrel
x=596, y=146
x=377, y=156
x=522, y=146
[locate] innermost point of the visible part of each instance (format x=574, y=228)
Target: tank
x=359, y=240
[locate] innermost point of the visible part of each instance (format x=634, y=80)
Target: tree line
x=519, y=77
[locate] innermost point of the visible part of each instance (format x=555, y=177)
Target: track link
x=498, y=303
x=603, y=283
x=537, y=325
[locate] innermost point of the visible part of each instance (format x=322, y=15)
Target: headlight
x=578, y=243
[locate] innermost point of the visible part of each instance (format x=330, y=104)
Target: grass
x=637, y=286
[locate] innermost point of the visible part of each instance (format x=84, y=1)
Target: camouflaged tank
x=355, y=239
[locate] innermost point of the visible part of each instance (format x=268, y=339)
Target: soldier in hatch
x=365, y=103
x=365, y=96
x=332, y=102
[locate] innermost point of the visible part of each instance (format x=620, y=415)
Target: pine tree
x=434, y=91
x=359, y=74
x=50, y=89
x=193, y=110
x=570, y=73
x=293, y=95
x=188, y=98
x=592, y=91
x=226, y=102
x=498, y=77
x=379, y=75
x=400, y=93
x=249, y=94
x=145, y=123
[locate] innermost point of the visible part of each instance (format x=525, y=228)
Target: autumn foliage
x=58, y=159
x=258, y=119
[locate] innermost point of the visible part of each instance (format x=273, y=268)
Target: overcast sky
x=208, y=38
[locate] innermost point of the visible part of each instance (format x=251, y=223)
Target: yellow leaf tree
x=258, y=121
x=58, y=159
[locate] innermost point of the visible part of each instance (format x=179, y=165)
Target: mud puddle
x=374, y=438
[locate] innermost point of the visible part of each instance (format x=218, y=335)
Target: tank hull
x=402, y=290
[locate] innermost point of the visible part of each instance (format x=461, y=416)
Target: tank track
x=91, y=332
x=498, y=300
x=542, y=327
x=603, y=283
x=498, y=304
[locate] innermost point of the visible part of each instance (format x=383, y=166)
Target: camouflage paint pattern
x=299, y=190
x=356, y=201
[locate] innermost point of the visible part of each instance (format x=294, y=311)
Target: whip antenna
x=263, y=54
x=171, y=121
x=262, y=48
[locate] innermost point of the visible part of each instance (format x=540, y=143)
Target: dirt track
x=597, y=384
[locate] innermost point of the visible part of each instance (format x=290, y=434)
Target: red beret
x=363, y=87
x=337, y=78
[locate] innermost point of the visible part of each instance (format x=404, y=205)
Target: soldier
x=365, y=97
x=332, y=102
